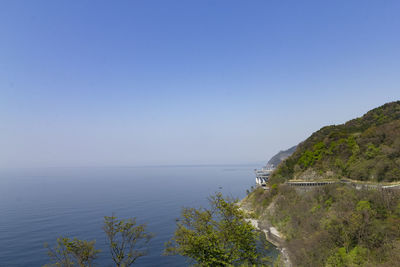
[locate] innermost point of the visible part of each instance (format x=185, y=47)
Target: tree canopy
x=217, y=236
x=72, y=252
x=126, y=239
x=127, y=242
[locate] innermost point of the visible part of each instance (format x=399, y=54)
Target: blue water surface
x=37, y=206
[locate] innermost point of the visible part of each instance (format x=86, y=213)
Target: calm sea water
x=37, y=206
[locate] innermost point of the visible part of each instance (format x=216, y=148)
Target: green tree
x=72, y=252
x=218, y=236
x=127, y=240
x=372, y=151
x=356, y=257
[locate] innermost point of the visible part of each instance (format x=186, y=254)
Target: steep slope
x=366, y=148
x=333, y=225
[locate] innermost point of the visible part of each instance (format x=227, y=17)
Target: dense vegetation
x=216, y=236
x=366, y=148
x=334, y=225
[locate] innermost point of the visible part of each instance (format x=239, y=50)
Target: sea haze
x=37, y=206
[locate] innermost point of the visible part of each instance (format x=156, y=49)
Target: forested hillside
x=334, y=225
x=366, y=148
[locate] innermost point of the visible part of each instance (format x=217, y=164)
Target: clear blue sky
x=87, y=83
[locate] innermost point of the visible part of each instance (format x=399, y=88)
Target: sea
x=39, y=205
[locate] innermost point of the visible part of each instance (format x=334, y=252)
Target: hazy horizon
x=140, y=83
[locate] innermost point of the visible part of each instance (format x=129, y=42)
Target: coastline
x=271, y=234
x=274, y=237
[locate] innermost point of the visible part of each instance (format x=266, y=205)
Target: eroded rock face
x=308, y=175
x=312, y=175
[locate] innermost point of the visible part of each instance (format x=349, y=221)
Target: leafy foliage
x=75, y=252
x=126, y=240
x=366, y=148
x=218, y=236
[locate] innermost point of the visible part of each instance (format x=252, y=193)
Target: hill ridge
x=365, y=148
